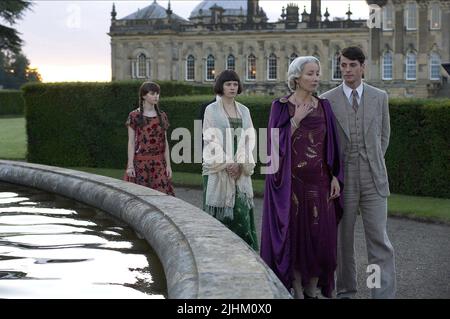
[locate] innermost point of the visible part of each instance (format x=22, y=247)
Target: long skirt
x=151, y=172
x=243, y=222
x=314, y=234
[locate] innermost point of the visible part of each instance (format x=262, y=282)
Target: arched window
x=411, y=66
x=435, y=16
x=387, y=66
x=140, y=67
x=388, y=17
x=231, y=62
x=251, y=67
x=272, y=67
x=435, y=66
x=411, y=16
x=336, y=65
x=292, y=58
x=190, y=68
x=210, y=68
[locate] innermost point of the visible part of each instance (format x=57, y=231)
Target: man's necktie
x=355, y=104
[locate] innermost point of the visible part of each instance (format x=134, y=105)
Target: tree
x=10, y=12
x=14, y=66
x=15, y=71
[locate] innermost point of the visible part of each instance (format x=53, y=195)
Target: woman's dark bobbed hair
x=225, y=76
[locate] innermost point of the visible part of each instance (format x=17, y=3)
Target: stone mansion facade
x=405, y=42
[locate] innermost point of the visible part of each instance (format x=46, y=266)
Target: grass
x=13, y=142
x=13, y=147
x=420, y=208
x=414, y=207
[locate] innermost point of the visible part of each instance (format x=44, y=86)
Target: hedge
x=418, y=158
x=83, y=125
x=11, y=102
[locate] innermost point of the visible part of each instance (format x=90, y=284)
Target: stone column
x=113, y=60
x=445, y=26
x=422, y=42
x=373, y=62
x=398, y=45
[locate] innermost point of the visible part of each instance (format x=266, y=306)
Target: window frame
x=210, y=73
x=228, y=62
x=437, y=65
x=388, y=8
x=407, y=65
x=409, y=15
x=383, y=66
x=272, y=65
x=336, y=66
x=434, y=5
x=248, y=68
x=190, y=59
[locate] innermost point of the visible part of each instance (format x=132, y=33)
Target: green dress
x=243, y=222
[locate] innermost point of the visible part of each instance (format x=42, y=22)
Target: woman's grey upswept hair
x=296, y=69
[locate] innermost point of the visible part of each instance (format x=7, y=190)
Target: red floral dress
x=150, y=147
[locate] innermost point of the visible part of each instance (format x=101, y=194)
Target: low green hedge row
x=11, y=102
x=83, y=125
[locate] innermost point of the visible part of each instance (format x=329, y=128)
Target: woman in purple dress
x=301, y=200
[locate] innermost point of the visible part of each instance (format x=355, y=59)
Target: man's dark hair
x=354, y=53
x=225, y=76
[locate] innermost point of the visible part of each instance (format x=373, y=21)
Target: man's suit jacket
x=376, y=129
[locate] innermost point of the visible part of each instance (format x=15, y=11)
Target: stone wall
x=201, y=258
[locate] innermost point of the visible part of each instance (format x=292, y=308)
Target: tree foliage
x=15, y=71
x=14, y=66
x=10, y=12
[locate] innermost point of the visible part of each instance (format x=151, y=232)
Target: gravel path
x=422, y=253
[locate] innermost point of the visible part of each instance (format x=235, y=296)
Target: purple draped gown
x=299, y=229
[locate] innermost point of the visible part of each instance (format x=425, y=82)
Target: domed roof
x=153, y=11
x=232, y=8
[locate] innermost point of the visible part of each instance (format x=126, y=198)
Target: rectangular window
x=272, y=68
x=231, y=63
x=190, y=68
x=435, y=20
x=387, y=66
x=435, y=67
x=251, y=68
x=210, y=68
x=411, y=67
x=336, y=66
x=411, y=16
x=388, y=18
x=142, y=66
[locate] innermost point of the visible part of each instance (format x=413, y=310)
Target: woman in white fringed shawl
x=229, y=140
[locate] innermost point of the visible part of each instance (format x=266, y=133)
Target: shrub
x=11, y=102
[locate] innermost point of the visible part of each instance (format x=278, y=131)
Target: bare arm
x=131, y=148
x=167, y=158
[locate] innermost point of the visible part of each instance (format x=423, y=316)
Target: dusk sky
x=68, y=41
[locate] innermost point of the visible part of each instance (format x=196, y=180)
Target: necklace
x=312, y=104
x=228, y=114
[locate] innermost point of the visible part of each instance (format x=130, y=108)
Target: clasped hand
x=234, y=170
x=335, y=191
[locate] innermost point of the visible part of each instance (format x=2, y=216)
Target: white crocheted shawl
x=218, y=153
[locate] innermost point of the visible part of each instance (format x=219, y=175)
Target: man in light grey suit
x=362, y=112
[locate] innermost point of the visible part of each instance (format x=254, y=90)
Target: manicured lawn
x=422, y=208
x=13, y=142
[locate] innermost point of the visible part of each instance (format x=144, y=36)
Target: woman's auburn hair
x=145, y=88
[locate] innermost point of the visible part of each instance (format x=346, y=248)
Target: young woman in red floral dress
x=148, y=149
